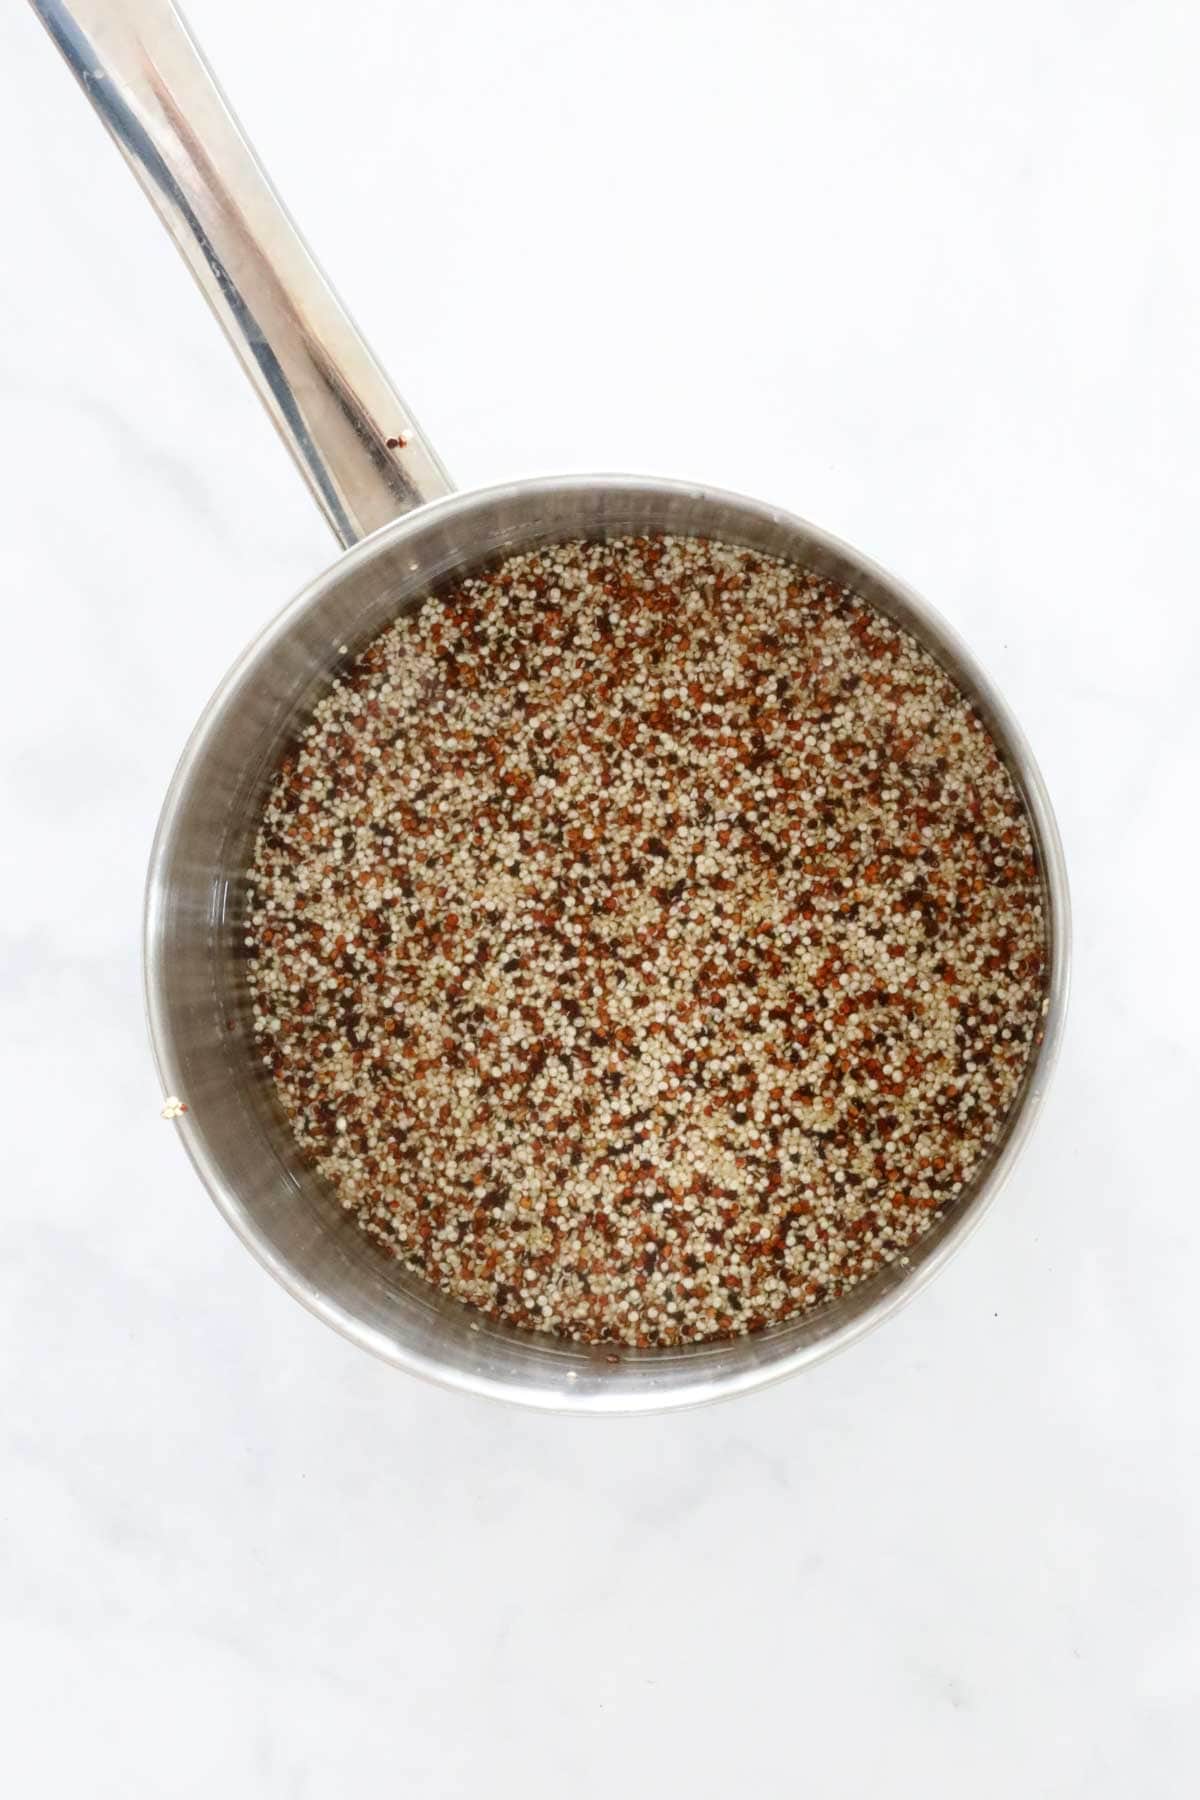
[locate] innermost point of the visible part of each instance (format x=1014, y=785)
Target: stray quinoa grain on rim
x=646, y=940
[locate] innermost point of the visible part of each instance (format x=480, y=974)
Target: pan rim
x=616, y=1398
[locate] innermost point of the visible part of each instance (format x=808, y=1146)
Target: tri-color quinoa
x=645, y=940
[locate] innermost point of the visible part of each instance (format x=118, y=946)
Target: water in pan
x=646, y=940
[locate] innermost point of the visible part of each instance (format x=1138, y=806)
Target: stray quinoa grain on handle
x=646, y=940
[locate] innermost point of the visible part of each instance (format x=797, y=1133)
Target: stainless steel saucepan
x=402, y=527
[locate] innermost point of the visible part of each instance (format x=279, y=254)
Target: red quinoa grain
x=646, y=940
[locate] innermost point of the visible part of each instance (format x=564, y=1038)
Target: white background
x=928, y=273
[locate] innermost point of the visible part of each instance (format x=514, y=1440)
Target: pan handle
x=352, y=437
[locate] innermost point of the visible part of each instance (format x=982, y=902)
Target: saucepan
x=404, y=531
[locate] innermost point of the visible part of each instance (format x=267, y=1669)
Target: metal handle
x=351, y=435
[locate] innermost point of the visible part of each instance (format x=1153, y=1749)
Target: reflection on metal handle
x=351, y=435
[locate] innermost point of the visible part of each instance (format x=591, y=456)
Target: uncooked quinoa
x=645, y=940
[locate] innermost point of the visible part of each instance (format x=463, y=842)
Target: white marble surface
x=930, y=275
